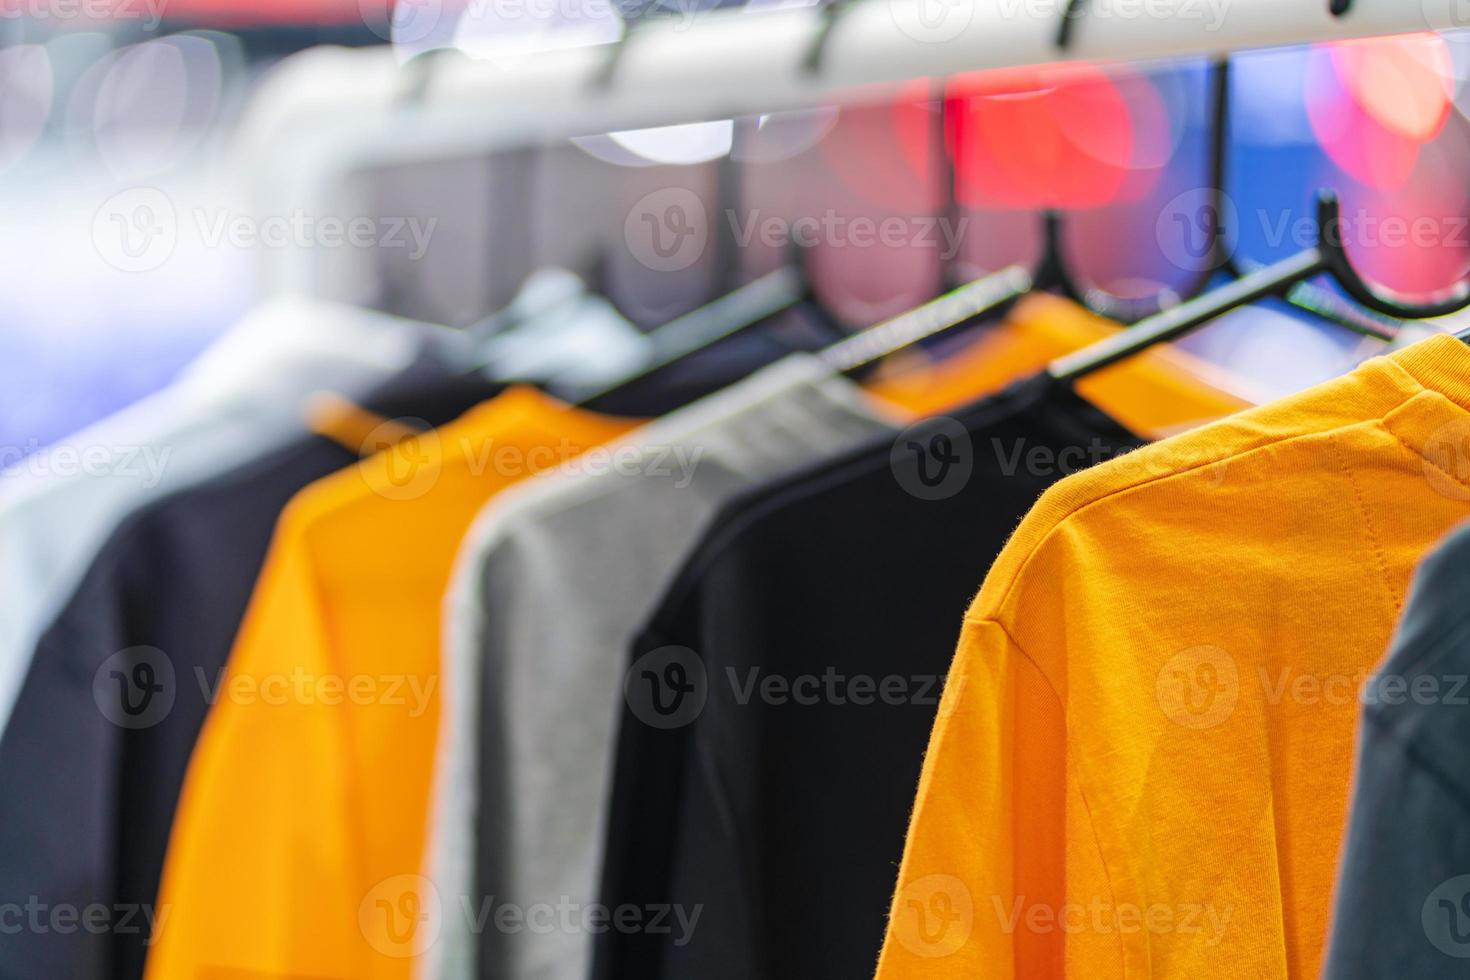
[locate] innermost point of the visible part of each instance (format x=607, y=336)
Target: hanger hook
x=1073, y=13
x=1330, y=242
x=828, y=14
x=1338, y=8
x=420, y=71
x=602, y=79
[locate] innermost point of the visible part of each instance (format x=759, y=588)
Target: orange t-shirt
x=1177, y=391
x=300, y=831
x=1141, y=762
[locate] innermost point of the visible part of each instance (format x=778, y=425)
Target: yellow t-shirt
x=300, y=831
x=1160, y=392
x=1141, y=762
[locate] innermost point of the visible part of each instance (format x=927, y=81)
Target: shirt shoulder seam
x=991, y=610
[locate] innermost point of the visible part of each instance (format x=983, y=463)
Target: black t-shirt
x=91, y=765
x=779, y=702
x=1403, y=892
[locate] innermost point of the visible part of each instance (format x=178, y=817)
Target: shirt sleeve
x=999, y=867
x=258, y=872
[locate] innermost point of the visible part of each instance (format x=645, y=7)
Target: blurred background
x=113, y=112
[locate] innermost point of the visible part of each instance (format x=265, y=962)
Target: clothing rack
x=339, y=111
x=734, y=62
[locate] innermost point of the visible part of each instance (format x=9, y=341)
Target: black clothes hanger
x=1076, y=8
x=743, y=308
x=1327, y=256
x=960, y=307
x=740, y=307
x=1306, y=296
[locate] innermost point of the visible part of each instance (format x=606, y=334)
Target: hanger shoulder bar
x=1171, y=323
x=953, y=309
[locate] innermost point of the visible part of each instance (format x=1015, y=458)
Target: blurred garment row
x=349, y=655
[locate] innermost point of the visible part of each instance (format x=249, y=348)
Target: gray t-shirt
x=1403, y=891
x=553, y=582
